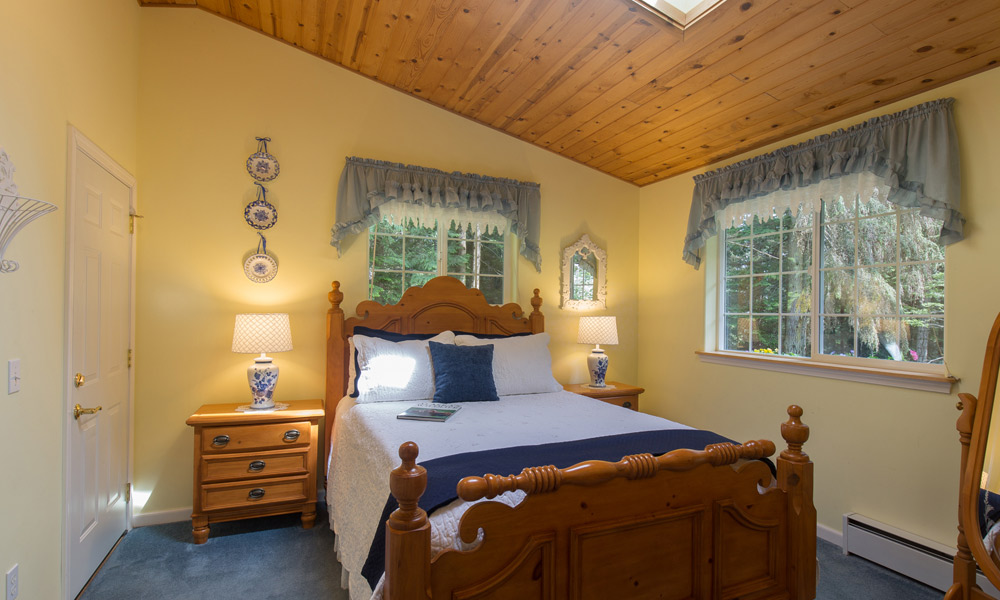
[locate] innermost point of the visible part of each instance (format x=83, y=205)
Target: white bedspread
x=366, y=441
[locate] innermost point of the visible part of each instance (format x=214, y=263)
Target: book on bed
x=423, y=413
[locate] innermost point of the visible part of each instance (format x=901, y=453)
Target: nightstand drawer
x=243, y=466
x=623, y=401
x=621, y=394
x=221, y=496
x=240, y=438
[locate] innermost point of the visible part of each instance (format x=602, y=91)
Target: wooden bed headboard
x=442, y=304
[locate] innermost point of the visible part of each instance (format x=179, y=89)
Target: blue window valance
x=912, y=154
x=366, y=185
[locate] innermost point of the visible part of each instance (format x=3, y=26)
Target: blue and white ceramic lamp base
x=262, y=376
x=597, y=364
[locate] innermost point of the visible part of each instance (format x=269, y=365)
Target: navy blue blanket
x=443, y=474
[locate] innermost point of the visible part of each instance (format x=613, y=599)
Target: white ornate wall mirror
x=584, y=279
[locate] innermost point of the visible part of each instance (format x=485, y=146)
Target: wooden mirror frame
x=600, y=279
x=974, y=427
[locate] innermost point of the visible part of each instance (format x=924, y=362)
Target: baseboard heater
x=918, y=558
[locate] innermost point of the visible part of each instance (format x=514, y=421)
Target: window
x=862, y=280
x=402, y=256
x=582, y=276
x=682, y=13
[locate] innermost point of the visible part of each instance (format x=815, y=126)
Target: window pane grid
x=875, y=323
x=402, y=256
x=764, y=281
x=879, y=289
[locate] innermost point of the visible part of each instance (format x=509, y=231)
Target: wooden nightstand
x=621, y=394
x=252, y=464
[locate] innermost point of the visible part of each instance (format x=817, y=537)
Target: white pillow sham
x=391, y=371
x=352, y=371
x=521, y=365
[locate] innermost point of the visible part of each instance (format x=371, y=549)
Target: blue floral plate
x=260, y=268
x=260, y=214
x=261, y=165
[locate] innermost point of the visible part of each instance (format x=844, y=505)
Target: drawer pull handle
x=220, y=441
x=257, y=466
x=627, y=404
x=256, y=493
x=292, y=435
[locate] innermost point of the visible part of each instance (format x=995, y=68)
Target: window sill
x=904, y=379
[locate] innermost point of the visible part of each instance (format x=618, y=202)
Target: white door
x=99, y=334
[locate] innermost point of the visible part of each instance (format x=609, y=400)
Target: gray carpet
x=266, y=558
x=271, y=558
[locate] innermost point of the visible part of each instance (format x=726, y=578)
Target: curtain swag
x=912, y=154
x=367, y=184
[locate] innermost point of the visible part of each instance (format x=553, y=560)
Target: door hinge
x=131, y=222
x=128, y=492
x=129, y=365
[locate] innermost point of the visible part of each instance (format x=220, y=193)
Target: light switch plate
x=13, y=375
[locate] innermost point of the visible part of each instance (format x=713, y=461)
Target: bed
x=644, y=522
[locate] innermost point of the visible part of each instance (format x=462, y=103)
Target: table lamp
x=597, y=330
x=262, y=332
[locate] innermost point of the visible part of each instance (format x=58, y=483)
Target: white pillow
x=392, y=371
x=352, y=372
x=521, y=364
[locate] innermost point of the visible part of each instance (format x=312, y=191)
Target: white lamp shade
x=598, y=330
x=262, y=332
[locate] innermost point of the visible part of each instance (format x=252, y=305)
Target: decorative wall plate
x=260, y=214
x=261, y=165
x=260, y=267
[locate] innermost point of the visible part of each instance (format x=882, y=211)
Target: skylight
x=680, y=12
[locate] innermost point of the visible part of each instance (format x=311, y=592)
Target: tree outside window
x=401, y=256
x=876, y=270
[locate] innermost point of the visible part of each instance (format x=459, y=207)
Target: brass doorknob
x=79, y=379
x=79, y=410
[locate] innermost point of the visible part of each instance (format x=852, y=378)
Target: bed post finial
x=336, y=359
x=407, y=483
x=407, y=532
x=795, y=478
x=336, y=296
x=536, y=318
x=795, y=433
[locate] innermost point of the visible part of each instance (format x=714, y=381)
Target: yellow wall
x=207, y=88
x=64, y=62
x=180, y=106
x=888, y=453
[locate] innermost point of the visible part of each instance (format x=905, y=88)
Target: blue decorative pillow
x=463, y=373
x=989, y=510
x=391, y=336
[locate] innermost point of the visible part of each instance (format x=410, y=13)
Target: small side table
x=615, y=392
x=254, y=463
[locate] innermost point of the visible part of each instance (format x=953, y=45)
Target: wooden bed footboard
x=687, y=524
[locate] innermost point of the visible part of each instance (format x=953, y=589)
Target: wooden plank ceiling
x=607, y=84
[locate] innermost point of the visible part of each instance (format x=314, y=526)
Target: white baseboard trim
x=916, y=557
x=830, y=534
x=162, y=517
x=182, y=514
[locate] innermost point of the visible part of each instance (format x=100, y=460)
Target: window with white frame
x=410, y=253
x=856, y=281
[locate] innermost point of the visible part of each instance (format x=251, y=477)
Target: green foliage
x=406, y=255
x=881, y=277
